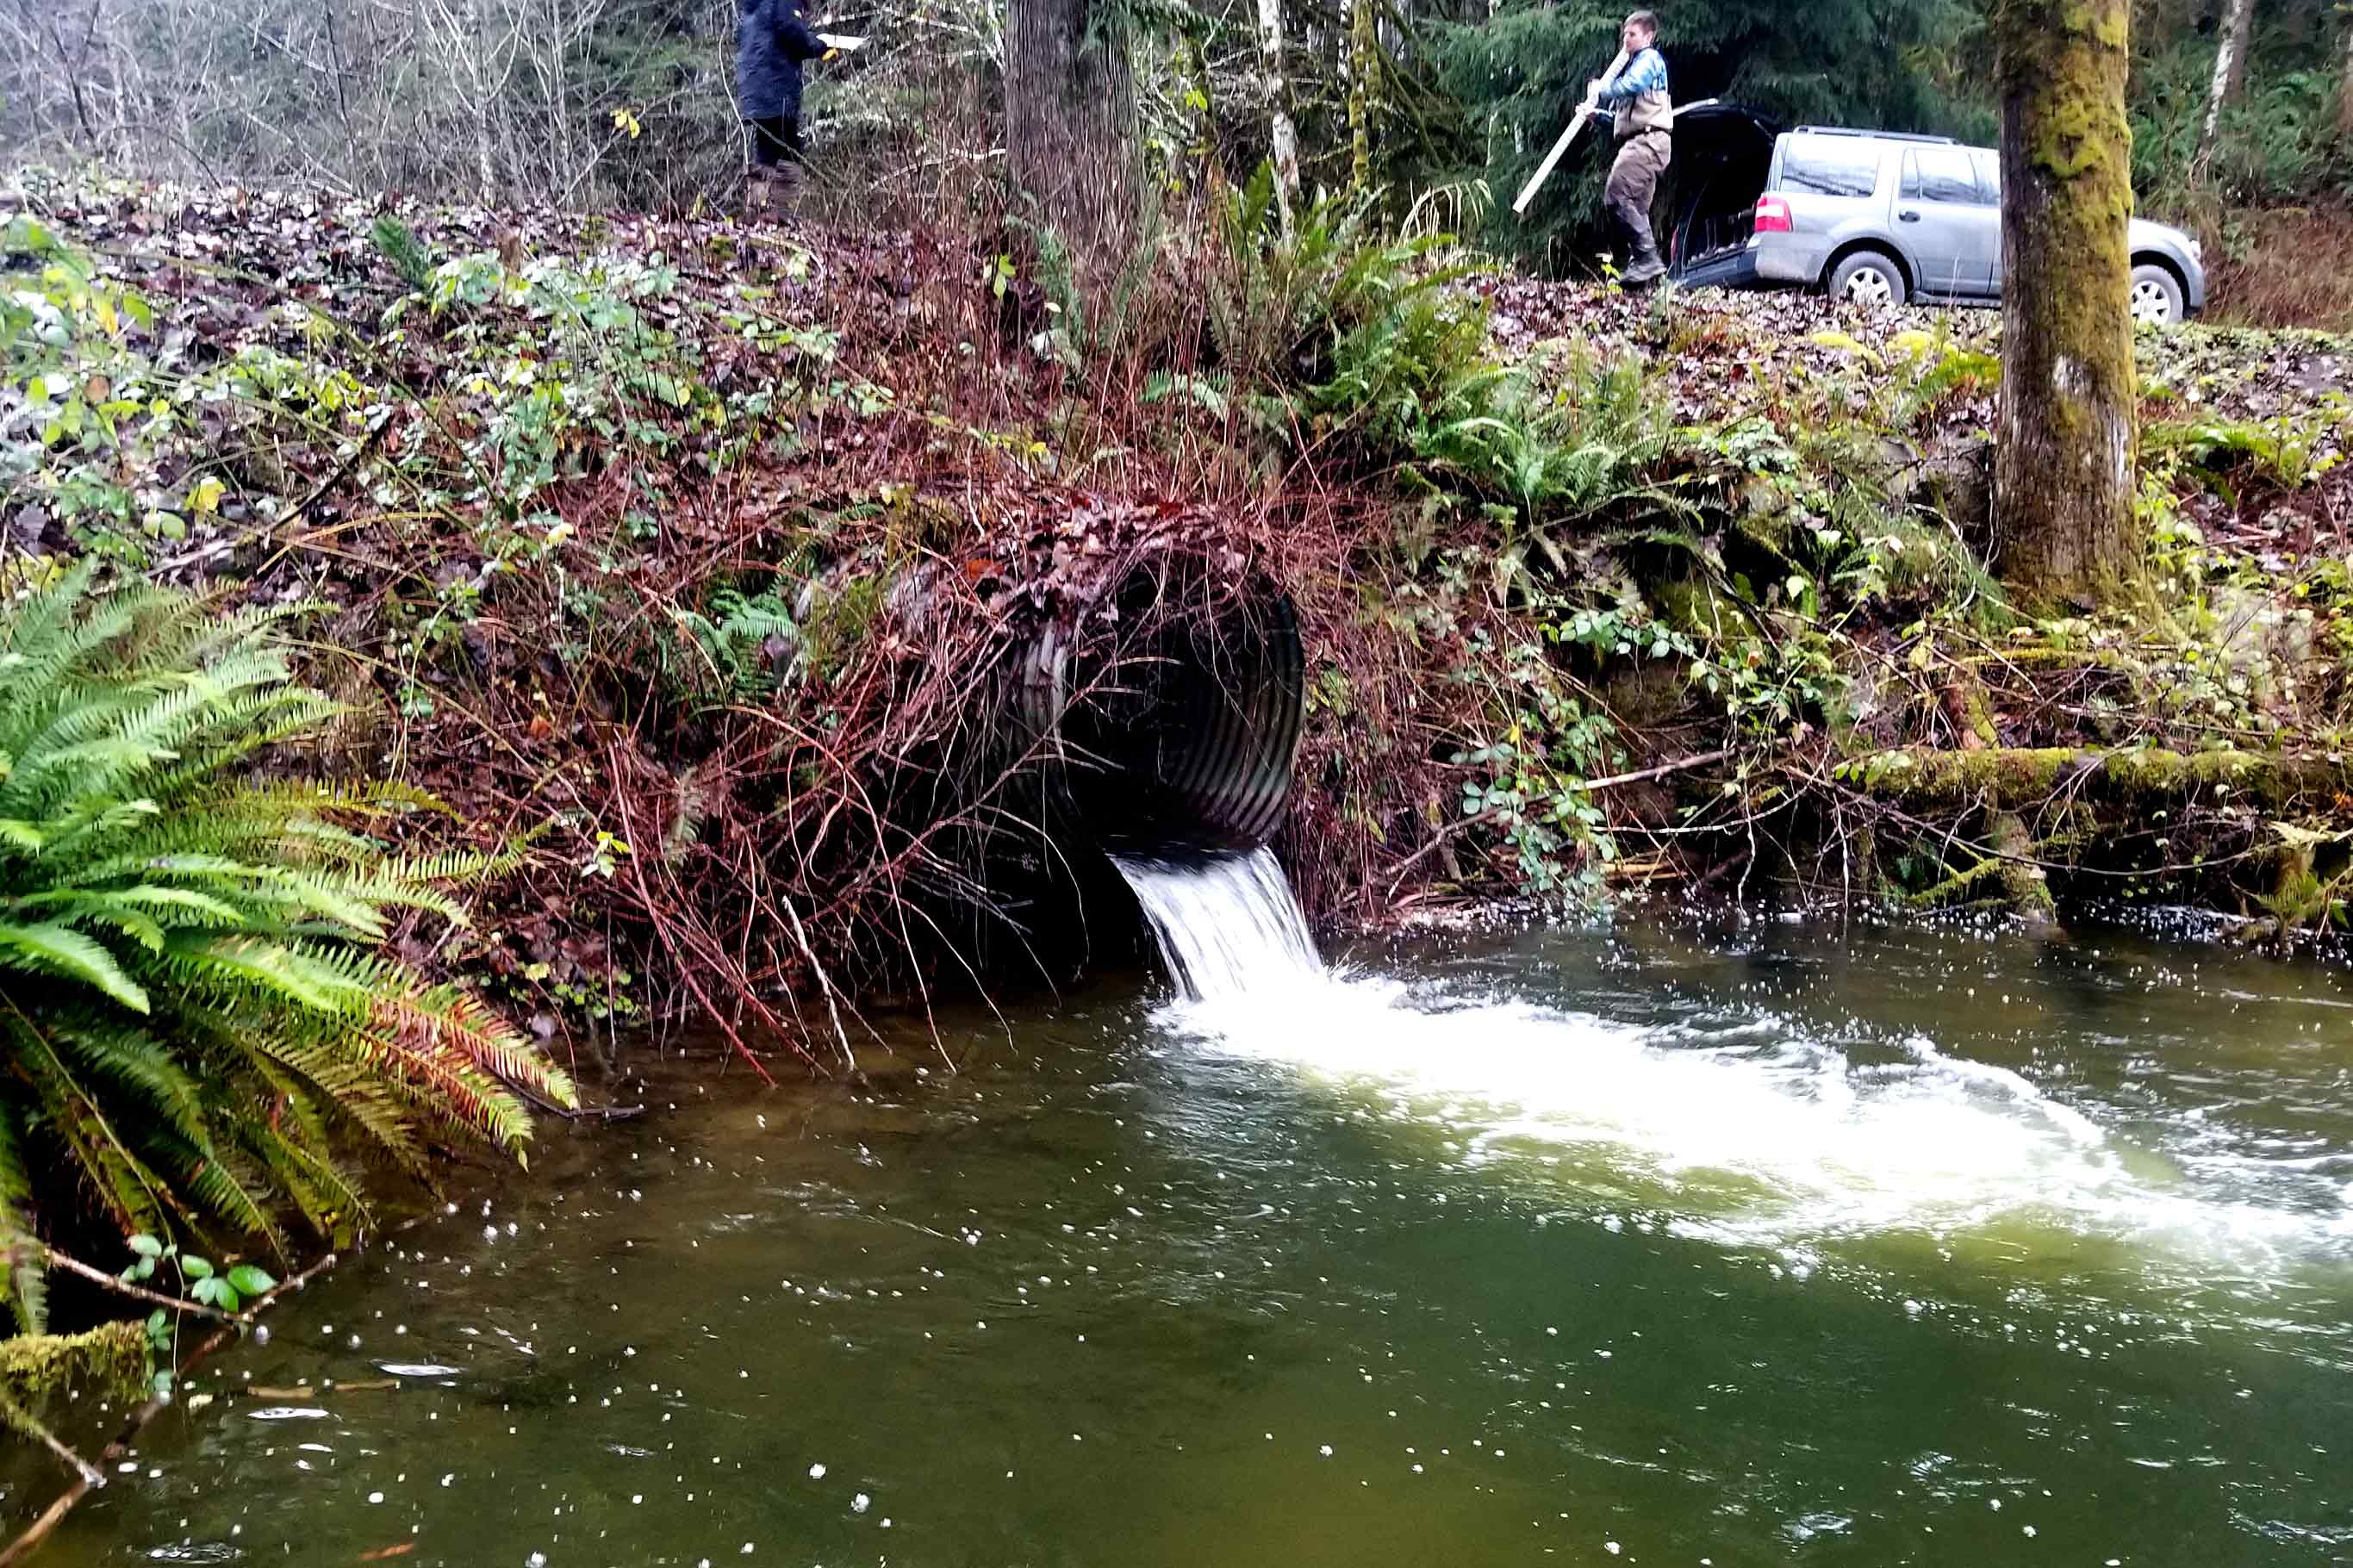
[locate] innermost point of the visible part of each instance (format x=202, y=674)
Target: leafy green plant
x=2286, y=452
x=1284, y=297
x=123, y=431
x=398, y=244
x=1551, y=448
x=197, y=1027
x=91, y=408
x=737, y=648
x=1390, y=372
x=225, y=1290
x=1528, y=781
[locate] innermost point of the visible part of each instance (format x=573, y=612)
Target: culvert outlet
x=1171, y=735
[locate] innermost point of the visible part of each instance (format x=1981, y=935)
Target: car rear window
x=1830, y=165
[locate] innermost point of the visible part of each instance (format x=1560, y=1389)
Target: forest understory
x=691, y=563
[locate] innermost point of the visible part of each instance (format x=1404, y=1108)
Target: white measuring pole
x=1585, y=112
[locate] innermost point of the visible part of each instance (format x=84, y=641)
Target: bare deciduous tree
x=1282, y=133
x=2230, y=73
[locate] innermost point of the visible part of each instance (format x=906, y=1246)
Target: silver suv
x=1881, y=218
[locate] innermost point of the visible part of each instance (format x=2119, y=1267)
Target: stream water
x=1747, y=1244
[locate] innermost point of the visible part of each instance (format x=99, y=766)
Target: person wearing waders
x=1643, y=119
x=771, y=39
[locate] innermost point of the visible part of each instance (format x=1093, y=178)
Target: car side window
x=1942, y=175
x=1989, y=174
x=1831, y=166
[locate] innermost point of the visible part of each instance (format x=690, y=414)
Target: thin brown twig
x=122, y=1286
x=29, y=1541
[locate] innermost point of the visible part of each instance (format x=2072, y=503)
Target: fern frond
x=132, y=1059
x=130, y=1191
x=457, y=1088
x=327, y=1085
x=20, y=1251
x=194, y=1022
x=234, y=964
x=351, y=1088
x=364, y=798
x=448, y=1017
x=62, y=950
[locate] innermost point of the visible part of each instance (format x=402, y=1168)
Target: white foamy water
x=1227, y=927
x=1753, y=1133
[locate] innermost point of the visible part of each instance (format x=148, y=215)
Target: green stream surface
x=1754, y=1244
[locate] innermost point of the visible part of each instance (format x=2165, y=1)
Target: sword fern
x=197, y=1032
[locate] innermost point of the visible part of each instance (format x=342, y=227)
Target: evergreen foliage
x=629, y=102
x=197, y=1025
x=398, y=244
x=1328, y=305
x=1901, y=66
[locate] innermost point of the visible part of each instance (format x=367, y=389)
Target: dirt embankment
x=699, y=555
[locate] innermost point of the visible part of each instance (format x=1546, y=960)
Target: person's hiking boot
x=1646, y=268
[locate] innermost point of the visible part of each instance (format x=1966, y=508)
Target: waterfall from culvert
x=1227, y=924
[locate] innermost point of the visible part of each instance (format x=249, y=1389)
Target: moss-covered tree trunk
x=1361, y=49
x=1070, y=112
x=2345, y=87
x=2064, y=463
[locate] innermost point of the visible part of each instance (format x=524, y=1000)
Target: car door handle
x=1907, y=216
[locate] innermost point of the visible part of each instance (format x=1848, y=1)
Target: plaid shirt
x=1646, y=73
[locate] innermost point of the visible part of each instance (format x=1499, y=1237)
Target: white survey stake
x=1585, y=112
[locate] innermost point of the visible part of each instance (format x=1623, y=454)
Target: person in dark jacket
x=771, y=39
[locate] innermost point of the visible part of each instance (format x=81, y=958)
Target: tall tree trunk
x=1283, y=134
x=1362, y=46
x=559, y=66
x=2230, y=73
x=2345, y=88
x=479, y=93
x=2063, y=459
x=1070, y=112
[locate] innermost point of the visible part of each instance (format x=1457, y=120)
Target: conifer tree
x=1840, y=63
x=1069, y=112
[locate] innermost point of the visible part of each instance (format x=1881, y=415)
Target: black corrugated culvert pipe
x=1173, y=735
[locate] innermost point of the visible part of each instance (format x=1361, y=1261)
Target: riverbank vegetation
x=202, y=1033
x=421, y=616
x=697, y=554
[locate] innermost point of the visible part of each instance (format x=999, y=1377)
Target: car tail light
x=1772, y=215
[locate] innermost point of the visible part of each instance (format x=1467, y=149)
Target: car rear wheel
x=1867, y=278
x=2156, y=296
